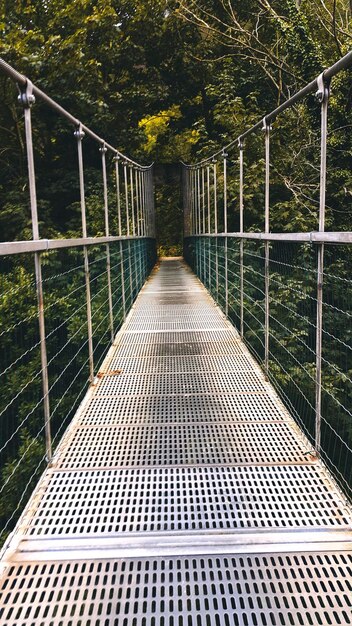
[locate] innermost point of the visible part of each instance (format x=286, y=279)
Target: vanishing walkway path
x=182, y=493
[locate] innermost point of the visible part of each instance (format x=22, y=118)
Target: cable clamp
x=26, y=96
x=79, y=133
x=266, y=125
x=322, y=93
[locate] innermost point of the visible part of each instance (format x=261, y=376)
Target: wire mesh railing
x=63, y=300
x=287, y=292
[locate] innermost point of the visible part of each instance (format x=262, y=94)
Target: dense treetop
x=165, y=80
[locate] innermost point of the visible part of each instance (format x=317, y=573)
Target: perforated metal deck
x=182, y=494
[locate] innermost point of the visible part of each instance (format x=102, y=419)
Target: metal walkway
x=182, y=494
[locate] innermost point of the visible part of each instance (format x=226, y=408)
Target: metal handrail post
x=26, y=98
x=126, y=198
x=132, y=202
x=79, y=134
x=241, y=148
x=323, y=97
x=199, y=202
x=145, y=215
x=267, y=128
x=103, y=151
x=209, y=224
x=118, y=199
x=224, y=155
x=203, y=224
x=216, y=232
x=137, y=201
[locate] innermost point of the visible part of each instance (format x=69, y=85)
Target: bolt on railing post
x=267, y=128
x=323, y=97
x=241, y=148
x=26, y=98
x=224, y=155
x=103, y=151
x=216, y=231
x=118, y=199
x=79, y=134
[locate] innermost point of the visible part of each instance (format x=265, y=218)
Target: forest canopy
x=161, y=80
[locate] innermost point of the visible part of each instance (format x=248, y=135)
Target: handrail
x=42, y=245
x=343, y=237
x=342, y=64
x=23, y=81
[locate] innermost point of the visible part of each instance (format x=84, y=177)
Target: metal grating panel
x=173, y=298
x=182, y=444
x=146, y=324
x=133, y=350
x=190, y=364
x=187, y=499
x=175, y=384
x=194, y=310
x=259, y=590
x=201, y=336
x=167, y=409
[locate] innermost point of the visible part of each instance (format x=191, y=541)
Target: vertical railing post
x=26, y=98
x=199, y=202
x=203, y=224
x=198, y=215
x=79, y=134
x=190, y=199
x=125, y=176
x=241, y=148
x=134, y=245
x=141, y=209
x=224, y=155
x=145, y=216
x=126, y=198
x=216, y=231
x=118, y=199
x=267, y=128
x=132, y=201
x=103, y=151
x=323, y=97
x=136, y=179
x=137, y=201
x=195, y=202
x=209, y=225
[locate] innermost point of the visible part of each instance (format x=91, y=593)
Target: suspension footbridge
x=185, y=486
